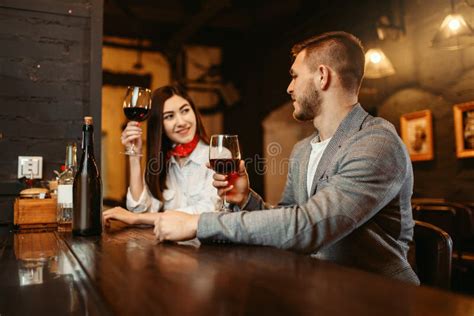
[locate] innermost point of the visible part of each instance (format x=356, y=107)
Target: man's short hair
x=341, y=51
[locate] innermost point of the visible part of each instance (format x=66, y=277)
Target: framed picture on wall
x=464, y=129
x=417, y=134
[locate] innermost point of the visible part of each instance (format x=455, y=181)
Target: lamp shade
x=454, y=33
x=377, y=65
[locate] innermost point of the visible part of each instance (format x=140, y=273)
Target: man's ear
x=322, y=77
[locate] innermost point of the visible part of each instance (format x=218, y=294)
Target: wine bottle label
x=65, y=193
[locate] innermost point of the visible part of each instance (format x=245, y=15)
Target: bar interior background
x=61, y=60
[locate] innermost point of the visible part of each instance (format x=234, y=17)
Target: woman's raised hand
x=132, y=134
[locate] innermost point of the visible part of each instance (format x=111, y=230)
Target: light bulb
x=454, y=24
x=375, y=57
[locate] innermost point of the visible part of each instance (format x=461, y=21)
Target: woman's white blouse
x=189, y=188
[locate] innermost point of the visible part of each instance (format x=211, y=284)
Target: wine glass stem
x=225, y=205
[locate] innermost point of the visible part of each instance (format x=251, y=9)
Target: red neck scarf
x=184, y=150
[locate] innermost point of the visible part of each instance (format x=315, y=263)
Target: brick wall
x=50, y=78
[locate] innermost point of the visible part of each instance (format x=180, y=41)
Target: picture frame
x=464, y=129
x=417, y=134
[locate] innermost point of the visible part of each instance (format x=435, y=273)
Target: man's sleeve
x=369, y=176
x=255, y=201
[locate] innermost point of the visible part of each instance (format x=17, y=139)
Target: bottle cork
x=88, y=120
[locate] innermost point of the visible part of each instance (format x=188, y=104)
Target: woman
x=176, y=176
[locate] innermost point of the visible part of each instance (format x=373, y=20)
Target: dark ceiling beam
x=133, y=22
x=315, y=17
x=125, y=9
x=160, y=33
x=274, y=26
x=209, y=10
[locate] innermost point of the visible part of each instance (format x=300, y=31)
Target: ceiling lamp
x=377, y=65
x=454, y=32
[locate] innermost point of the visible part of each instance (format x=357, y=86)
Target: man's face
x=303, y=90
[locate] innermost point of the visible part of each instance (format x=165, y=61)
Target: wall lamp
x=377, y=65
x=454, y=32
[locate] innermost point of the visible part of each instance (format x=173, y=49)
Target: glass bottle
x=65, y=183
x=87, y=188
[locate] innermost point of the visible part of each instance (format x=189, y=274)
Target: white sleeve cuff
x=141, y=205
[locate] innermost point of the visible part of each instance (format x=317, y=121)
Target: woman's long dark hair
x=158, y=144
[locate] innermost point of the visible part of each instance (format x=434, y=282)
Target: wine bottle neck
x=88, y=138
x=71, y=156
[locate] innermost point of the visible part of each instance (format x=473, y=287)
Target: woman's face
x=179, y=120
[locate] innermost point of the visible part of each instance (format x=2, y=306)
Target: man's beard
x=310, y=105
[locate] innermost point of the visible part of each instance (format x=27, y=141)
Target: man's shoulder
x=378, y=125
x=377, y=121
x=376, y=136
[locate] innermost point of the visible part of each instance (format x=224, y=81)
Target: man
x=347, y=196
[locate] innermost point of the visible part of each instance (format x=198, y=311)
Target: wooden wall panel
x=50, y=77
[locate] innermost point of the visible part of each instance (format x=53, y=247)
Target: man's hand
x=120, y=214
x=175, y=226
x=235, y=186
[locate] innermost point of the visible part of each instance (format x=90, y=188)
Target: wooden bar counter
x=125, y=272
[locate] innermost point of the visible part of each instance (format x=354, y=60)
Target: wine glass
x=224, y=158
x=136, y=106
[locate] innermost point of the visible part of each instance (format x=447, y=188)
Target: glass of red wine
x=136, y=106
x=224, y=158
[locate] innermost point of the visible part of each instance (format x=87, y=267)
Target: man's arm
x=255, y=201
x=369, y=176
x=176, y=225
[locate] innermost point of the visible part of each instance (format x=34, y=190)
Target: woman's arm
x=145, y=203
x=132, y=135
x=136, y=180
x=130, y=218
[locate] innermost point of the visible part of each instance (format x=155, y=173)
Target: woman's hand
x=132, y=134
x=120, y=214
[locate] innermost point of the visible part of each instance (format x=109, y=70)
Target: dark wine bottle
x=87, y=188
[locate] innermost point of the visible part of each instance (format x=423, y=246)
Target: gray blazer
x=359, y=211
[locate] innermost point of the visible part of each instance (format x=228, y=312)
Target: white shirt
x=317, y=150
x=189, y=188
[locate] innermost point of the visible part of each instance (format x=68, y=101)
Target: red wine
x=87, y=188
x=136, y=114
x=224, y=166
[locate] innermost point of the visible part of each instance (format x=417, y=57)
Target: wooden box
x=35, y=213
